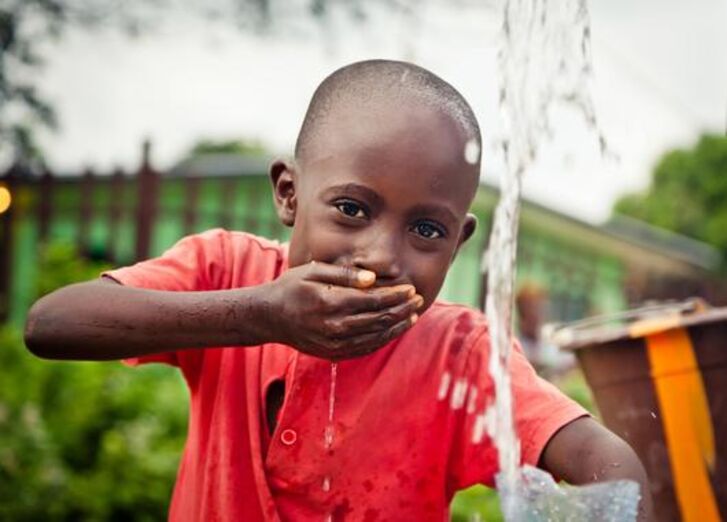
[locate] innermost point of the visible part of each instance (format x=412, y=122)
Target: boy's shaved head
x=372, y=83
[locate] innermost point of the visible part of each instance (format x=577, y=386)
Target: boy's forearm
x=584, y=452
x=102, y=320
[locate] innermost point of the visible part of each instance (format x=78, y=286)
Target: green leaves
x=687, y=194
x=85, y=441
x=90, y=441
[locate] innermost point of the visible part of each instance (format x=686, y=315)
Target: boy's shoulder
x=236, y=238
x=215, y=259
x=233, y=246
x=234, y=258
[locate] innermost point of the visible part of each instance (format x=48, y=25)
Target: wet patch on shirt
x=341, y=510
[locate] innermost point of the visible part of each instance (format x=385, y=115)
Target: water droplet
x=459, y=393
x=328, y=437
x=472, y=151
x=330, y=429
x=478, y=431
x=444, y=385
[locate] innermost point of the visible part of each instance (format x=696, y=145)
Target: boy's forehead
x=394, y=130
x=407, y=142
x=385, y=117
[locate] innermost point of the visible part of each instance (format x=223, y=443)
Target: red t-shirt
x=404, y=416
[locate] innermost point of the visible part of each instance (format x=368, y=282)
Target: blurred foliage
x=60, y=265
x=28, y=27
x=574, y=385
x=687, y=194
x=85, y=441
x=239, y=147
x=476, y=503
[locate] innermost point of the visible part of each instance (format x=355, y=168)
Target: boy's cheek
x=317, y=242
x=429, y=283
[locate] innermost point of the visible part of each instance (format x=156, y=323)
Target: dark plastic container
x=659, y=378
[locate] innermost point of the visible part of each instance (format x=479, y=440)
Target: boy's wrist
x=255, y=319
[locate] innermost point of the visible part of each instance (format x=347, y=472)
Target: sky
x=660, y=80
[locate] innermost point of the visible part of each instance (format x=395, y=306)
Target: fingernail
x=414, y=318
x=411, y=291
x=366, y=277
x=420, y=301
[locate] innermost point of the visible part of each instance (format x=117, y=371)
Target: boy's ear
x=468, y=228
x=283, y=178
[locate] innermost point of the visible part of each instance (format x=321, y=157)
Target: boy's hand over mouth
x=334, y=312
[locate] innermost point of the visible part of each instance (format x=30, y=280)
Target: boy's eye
x=428, y=230
x=351, y=209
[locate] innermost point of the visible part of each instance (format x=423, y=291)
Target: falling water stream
x=329, y=432
x=544, y=61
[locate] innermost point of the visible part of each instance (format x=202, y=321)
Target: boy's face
x=385, y=190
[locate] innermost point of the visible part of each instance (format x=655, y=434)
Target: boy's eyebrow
x=440, y=211
x=354, y=189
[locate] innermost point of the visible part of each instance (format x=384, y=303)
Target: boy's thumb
x=364, y=278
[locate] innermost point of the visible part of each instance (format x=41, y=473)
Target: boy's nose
x=381, y=255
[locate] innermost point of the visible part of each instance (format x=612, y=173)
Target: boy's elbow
x=583, y=452
x=33, y=335
x=64, y=324
x=38, y=335
x=625, y=455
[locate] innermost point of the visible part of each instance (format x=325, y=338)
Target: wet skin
x=385, y=191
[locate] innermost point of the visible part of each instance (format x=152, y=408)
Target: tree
x=26, y=26
x=239, y=147
x=20, y=105
x=687, y=194
x=82, y=441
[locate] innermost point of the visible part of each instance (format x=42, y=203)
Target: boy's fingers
x=371, y=322
x=369, y=343
x=340, y=275
x=377, y=299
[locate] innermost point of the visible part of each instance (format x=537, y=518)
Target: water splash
x=541, y=499
x=544, y=63
x=544, y=60
x=330, y=428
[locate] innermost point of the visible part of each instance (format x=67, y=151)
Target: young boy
x=377, y=197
